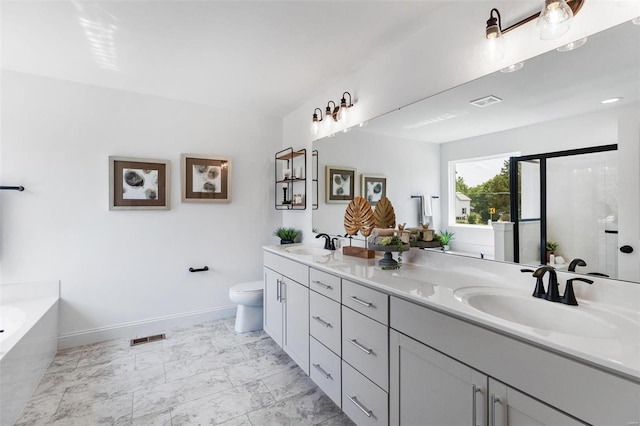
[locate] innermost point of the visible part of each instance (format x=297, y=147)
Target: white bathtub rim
x=34, y=310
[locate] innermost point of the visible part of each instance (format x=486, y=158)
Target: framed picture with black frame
x=340, y=184
x=373, y=188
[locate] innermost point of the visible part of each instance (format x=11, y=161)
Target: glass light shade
x=495, y=47
x=315, y=126
x=327, y=118
x=554, y=20
x=342, y=113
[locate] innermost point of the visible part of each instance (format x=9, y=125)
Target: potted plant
x=286, y=235
x=445, y=238
x=551, y=247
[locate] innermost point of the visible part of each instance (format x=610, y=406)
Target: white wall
x=445, y=54
x=127, y=267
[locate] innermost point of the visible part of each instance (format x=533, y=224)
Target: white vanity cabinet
x=526, y=384
x=286, y=306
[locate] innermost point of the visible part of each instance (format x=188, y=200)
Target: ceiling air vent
x=486, y=101
x=148, y=339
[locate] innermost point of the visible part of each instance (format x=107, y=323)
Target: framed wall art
x=206, y=179
x=340, y=184
x=373, y=188
x=139, y=184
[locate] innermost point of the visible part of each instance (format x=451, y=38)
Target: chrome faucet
x=553, y=294
x=328, y=242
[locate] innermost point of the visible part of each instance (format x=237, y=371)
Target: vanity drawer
x=364, y=402
x=326, y=284
x=365, y=345
x=324, y=321
x=365, y=300
x=325, y=370
x=289, y=268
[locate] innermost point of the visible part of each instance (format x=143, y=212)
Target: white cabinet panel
x=325, y=284
x=429, y=388
x=289, y=268
x=364, y=402
x=325, y=370
x=272, y=306
x=365, y=300
x=325, y=320
x=295, y=337
x=365, y=345
x=509, y=407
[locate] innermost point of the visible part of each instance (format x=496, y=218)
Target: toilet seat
x=250, y=287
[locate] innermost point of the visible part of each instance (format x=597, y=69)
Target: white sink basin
x=307, y=251
x=513, y=306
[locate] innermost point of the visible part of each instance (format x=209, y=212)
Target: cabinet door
x=509, y=407
x=429, y=388
x=272, y=305
x=295, y=337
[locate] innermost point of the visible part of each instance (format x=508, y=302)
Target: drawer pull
x=362, y=302
x=360, y=406
x=355, y=343
x=321, y=370
x=474, y=410
x=323, y=322
x=323, y=285
x=492, y=409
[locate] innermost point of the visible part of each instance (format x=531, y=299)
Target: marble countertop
x=612, y=344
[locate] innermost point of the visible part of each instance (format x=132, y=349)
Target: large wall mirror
x=552, y=104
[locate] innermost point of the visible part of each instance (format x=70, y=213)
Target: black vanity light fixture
x=344, y=107
x=553, y=21
x=333, y=113
x=315, y=123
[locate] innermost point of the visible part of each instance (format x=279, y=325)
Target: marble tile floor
x=202, y=375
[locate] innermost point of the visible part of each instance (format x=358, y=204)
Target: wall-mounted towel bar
x=206, y=268
x=12, y=188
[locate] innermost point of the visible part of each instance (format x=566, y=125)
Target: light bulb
x=555, y=19
x=494, y=48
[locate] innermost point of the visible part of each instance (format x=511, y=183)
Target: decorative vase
x=286, y=241
x=445, y=247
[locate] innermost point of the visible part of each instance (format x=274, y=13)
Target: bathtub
x=28, y=343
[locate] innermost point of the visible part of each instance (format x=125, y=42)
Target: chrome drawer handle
x=474, y=411
x=323, y=322
x=492, y=408
x=362, y=302
x=360, y=406
x=355, y=343
x=323, y=285
x=324, y=373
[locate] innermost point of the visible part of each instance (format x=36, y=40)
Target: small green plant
x=446, y=237
x=552, y=246
x=287, y=234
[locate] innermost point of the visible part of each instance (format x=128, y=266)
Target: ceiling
x=264, y=56
x=549, y=87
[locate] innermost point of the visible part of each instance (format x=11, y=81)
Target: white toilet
x=248, y=296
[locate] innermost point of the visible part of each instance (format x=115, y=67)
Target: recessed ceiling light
x=610, y=100
x=573, y=45
x=486, y=101
x=513, y=67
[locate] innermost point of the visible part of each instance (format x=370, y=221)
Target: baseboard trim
x=135, y=329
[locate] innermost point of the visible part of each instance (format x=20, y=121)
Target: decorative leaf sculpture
x=359, y=217
x=384, y=214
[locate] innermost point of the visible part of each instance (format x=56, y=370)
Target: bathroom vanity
x=457, y=341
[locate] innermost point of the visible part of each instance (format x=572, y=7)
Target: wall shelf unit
x=290, y=179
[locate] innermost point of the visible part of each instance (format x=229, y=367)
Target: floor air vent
x=148, y=339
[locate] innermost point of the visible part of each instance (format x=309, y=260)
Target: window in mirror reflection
x=481, y=188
